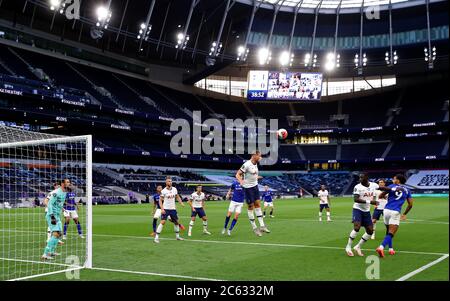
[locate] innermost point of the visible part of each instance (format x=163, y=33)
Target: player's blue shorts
x=363, y=217
x=251, y=194
x=172, y=213
x=198, y=211
x=54, y=228
x=323, y=206
x=377, y=213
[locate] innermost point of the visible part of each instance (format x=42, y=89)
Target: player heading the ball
x=247, y=177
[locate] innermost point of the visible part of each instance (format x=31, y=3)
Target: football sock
x=159, y=230
x=320, y=215
x=191, y=224
x=205, y=225
x=155, y=220
x=259, y=215
x=233, y=223
x=328, y=215
x=227, y=220
x=251, y=217
x=271, y=212
x=49, y=234
x=364, y=238
x=65, y=228
x=390, y=241
x=79, y=228
x=351, y=238
x=177, y=230
x=387, y=241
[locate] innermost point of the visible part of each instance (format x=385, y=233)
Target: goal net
x=31, y=166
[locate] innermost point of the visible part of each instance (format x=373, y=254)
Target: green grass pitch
x=299, y=247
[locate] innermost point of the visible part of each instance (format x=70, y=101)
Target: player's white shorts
x=391, y=217
x=268, y=204
x=157, y=214
x=235, y=207
x=70, y=213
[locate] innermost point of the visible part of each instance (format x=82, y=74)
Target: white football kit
x=235, y=207
x=169, y=196
x=70, y=213
x=381, y=202
x=391, y=217
x=323, y=196
x=366, y=194
x=250, y=171
x=197, y=199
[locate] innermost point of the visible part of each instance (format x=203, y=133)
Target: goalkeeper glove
x=53, y=219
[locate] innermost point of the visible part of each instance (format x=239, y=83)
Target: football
x=282, y=134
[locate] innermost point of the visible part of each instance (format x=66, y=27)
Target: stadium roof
x=330, y=6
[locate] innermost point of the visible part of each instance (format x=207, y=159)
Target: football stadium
x=224, y=140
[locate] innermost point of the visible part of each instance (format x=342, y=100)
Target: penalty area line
x=423, y=268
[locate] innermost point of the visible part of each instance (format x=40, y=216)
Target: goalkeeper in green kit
x=53, y=217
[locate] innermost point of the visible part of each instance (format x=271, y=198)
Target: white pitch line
x=423, y=268
x=46, y=274
x=155, y=274
x=35, y=261
x=419, y=221
x=336, y=219
x=264, y=244
x=240, y=242
x=95, y=268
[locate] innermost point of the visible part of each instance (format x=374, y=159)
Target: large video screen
x=274, y=85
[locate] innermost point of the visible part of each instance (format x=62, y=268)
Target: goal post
x=31, y=164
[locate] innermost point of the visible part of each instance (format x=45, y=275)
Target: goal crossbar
x=46, y=141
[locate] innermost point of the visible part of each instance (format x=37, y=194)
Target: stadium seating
x=319, y=152
x=417, y=147
x=146, y=89
x=423, y=105
x=231, y=109
x=365, y=111
x=185, y=100
x=60, y=73
x=289, y=152
x=123, y=93
x=363, y=151
x=14, y=63
x=315, y=112
x=277, y=111
x=21, y=181
x=146, y=180
x=358, y=109
x=336, y=182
